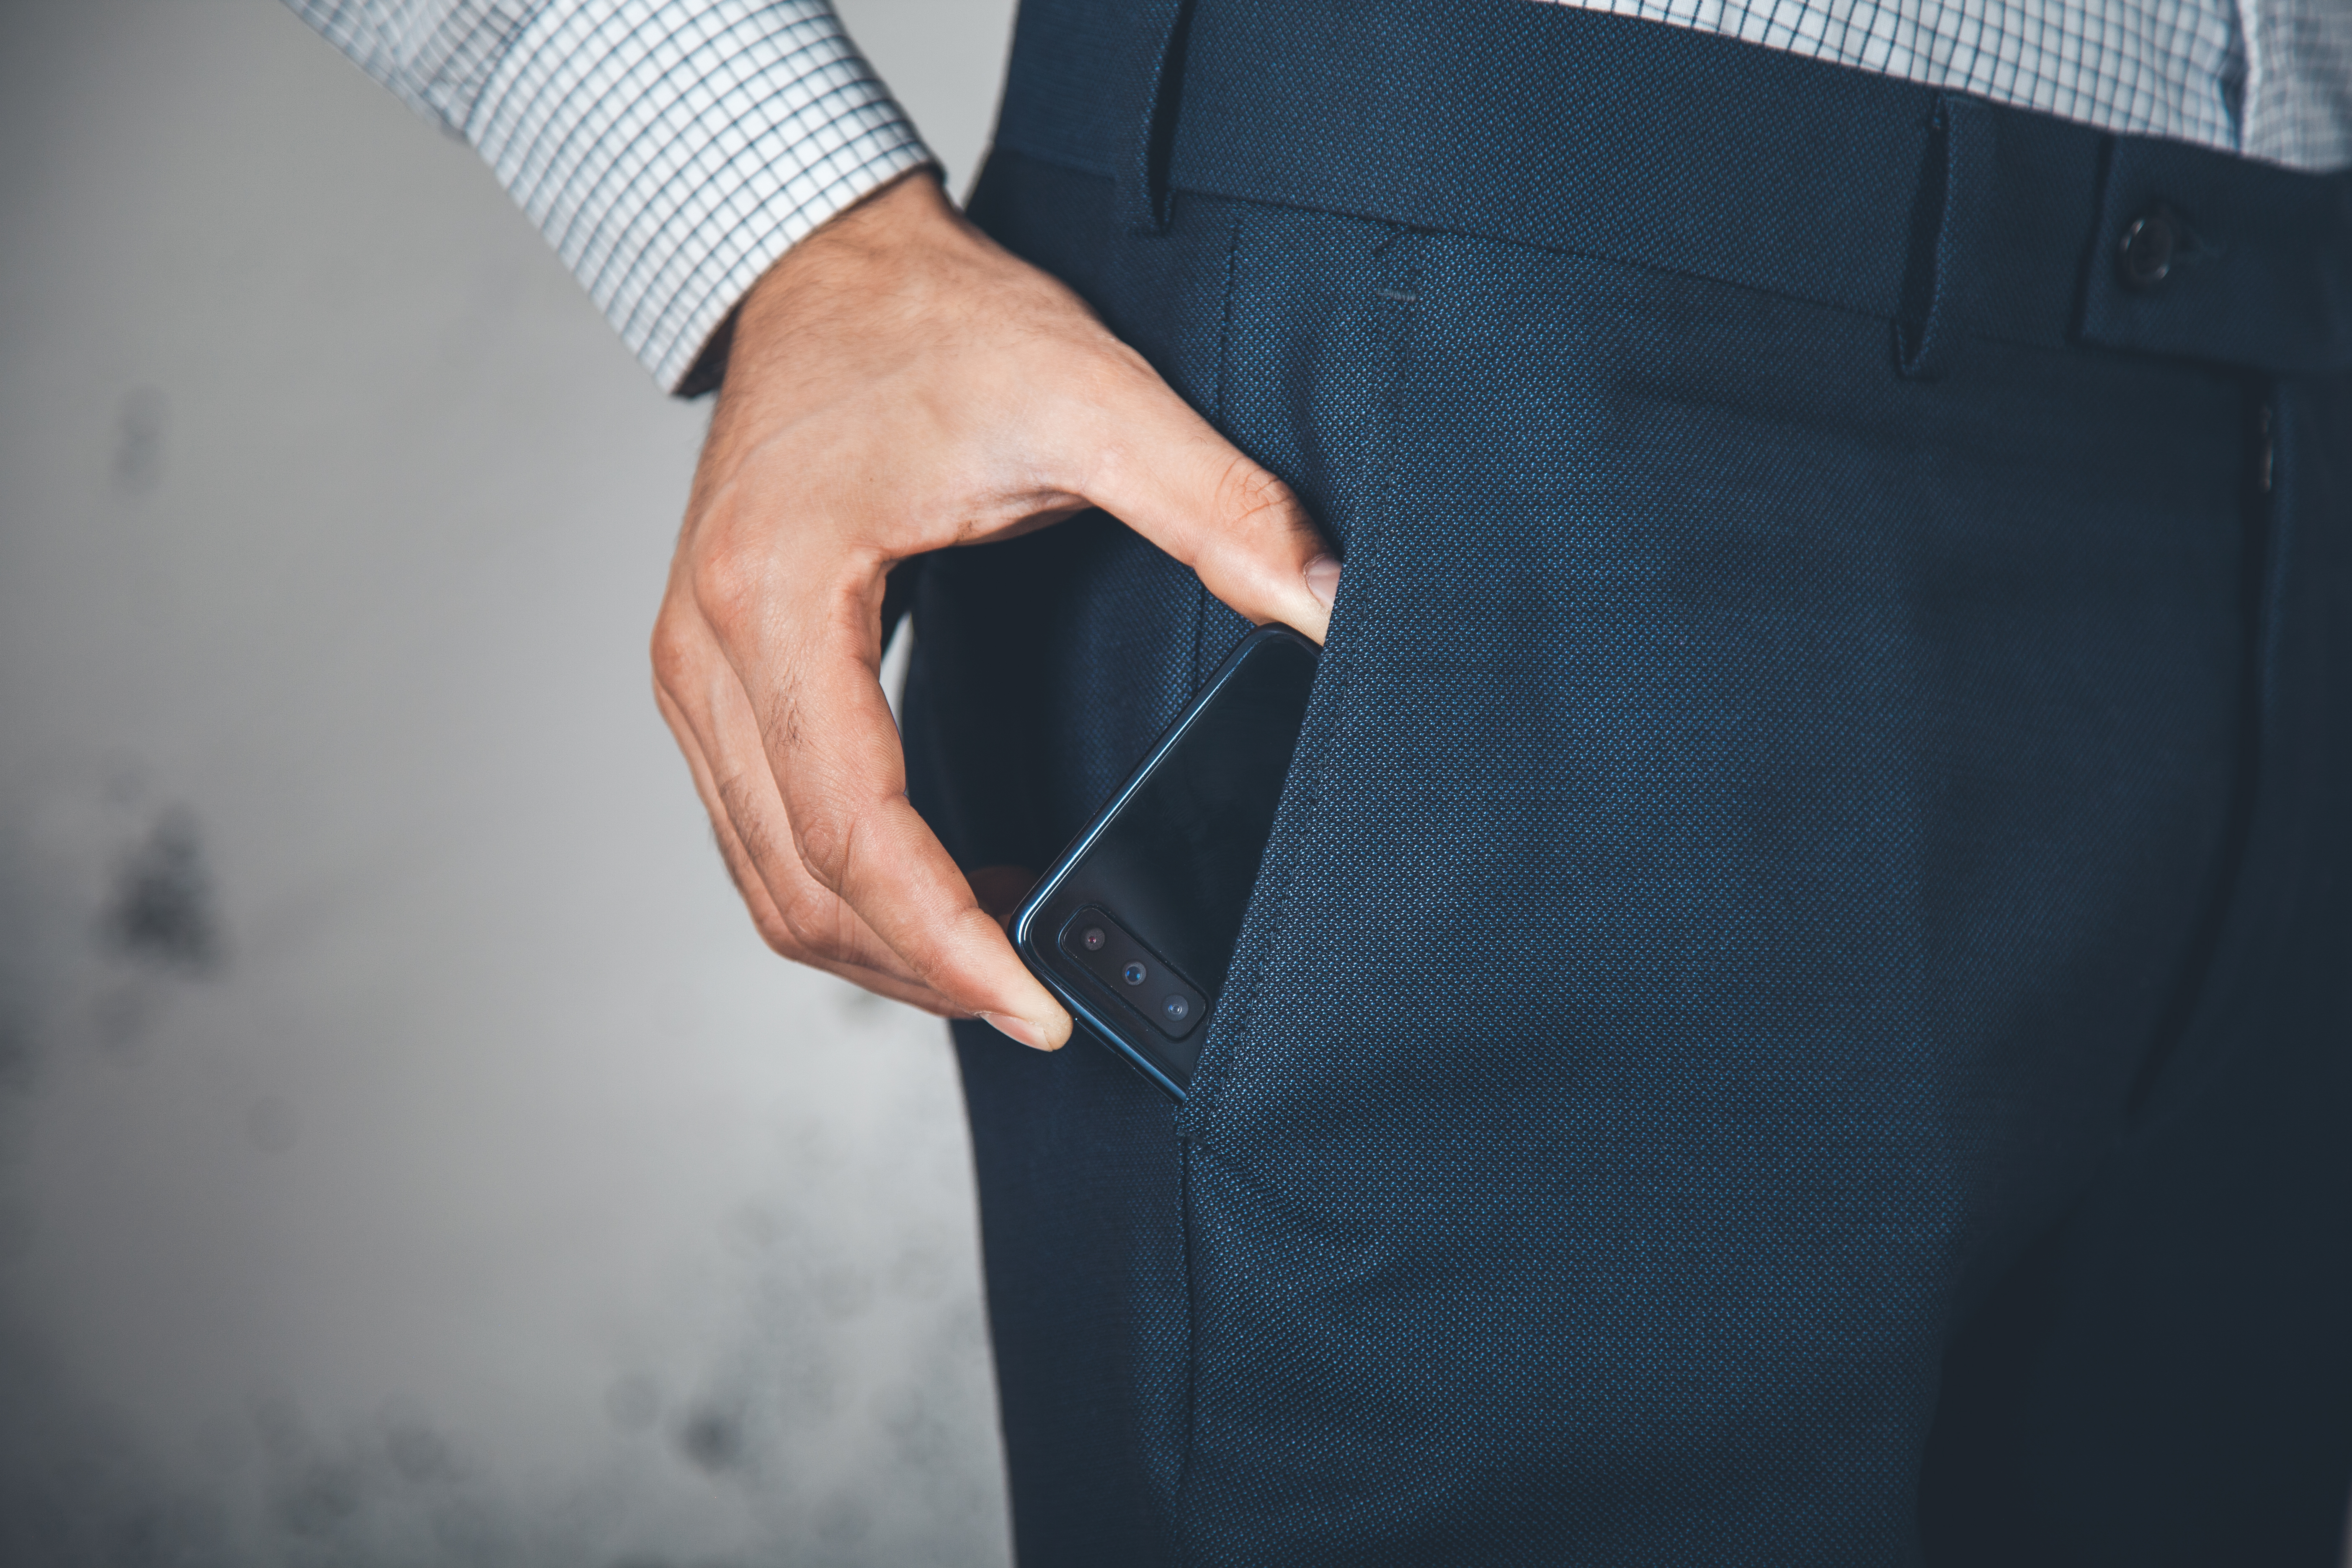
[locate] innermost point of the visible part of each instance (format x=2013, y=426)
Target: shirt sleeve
x=670, y=150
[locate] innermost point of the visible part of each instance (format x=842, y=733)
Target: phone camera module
x=1149, y=991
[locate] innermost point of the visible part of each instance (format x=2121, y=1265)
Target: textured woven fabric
x=1795, y=1010
x=670, y=150
x=1545, y=125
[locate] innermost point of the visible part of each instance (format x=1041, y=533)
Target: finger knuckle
x=801, y=922
x=1247, y=497
x=673, y=653
x=810, y=919
x=728, y=585
x=777, y=932
x=826, y=837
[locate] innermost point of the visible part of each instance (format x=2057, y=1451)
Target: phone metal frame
x=1032, y=941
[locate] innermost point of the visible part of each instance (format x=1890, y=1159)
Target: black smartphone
x=1134, y=926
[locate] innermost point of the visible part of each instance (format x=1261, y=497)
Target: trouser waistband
x=1575, y=130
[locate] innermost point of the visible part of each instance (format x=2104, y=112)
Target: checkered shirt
x=671, y=150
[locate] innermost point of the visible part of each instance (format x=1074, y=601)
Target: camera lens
x=1133, y=973
x=1176, y=1007
x=1093, y=938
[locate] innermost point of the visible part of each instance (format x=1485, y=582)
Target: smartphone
x=1134, y=926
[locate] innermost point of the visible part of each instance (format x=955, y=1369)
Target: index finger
x=1157, y=466
x=835, y=755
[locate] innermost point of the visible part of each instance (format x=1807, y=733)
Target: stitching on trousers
x=1380, y=497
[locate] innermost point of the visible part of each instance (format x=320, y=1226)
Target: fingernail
x=1018, y=1028
x=1323, y=580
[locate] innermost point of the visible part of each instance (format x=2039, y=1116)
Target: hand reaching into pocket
x=899, y=384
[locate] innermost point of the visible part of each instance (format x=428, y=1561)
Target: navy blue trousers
x=1798, y=1009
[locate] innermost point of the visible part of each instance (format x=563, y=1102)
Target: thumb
x=1166, y=472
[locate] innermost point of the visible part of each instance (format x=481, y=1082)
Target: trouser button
x=2144, y=259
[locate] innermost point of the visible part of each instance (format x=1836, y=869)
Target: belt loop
x=1155, y=75
x=1947, y=224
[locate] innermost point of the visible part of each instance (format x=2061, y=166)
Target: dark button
x=2150, y=241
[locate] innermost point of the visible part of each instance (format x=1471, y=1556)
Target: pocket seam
x=1394, y=285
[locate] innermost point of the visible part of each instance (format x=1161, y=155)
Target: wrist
x=907, y=202
x=900, y=206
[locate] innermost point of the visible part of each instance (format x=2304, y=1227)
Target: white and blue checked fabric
x=2268, y=79
x=671, y=150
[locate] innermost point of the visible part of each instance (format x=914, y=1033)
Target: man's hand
x=899, y=384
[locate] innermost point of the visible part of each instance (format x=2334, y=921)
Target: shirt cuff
x=670, y=153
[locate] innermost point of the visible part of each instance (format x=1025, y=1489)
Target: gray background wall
x=407, y=1154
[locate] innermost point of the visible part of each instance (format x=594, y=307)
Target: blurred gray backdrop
x=407, y=1153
